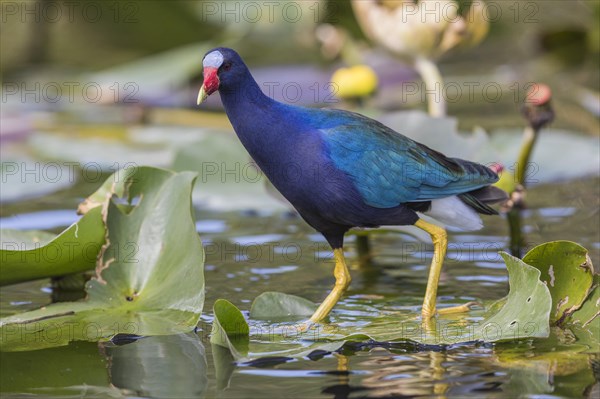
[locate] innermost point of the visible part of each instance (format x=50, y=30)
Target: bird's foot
x=429, y=313
x=458, y=309
x=314, y=330
x=309, y=329
x=305, y=326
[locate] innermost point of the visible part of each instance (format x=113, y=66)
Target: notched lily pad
x=148, y=281
x=567, y=271
x=33, y=255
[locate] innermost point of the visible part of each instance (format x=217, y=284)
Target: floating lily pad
x=568, y=272
x=275, y=305
x=31, y=255
x=29, y=239
x=585, y=321
x=524, y=314
x=229, y=328
x=149, y=280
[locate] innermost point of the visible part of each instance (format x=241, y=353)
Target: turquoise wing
x=388, y=168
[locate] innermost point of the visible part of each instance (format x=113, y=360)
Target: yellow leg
x=342, y=281
x=440, y=243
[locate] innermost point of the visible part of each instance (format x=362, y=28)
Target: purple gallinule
x=341, y=170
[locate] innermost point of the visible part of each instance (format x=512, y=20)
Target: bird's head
x=223, y=68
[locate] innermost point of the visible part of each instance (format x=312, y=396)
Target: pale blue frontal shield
x=213, y=60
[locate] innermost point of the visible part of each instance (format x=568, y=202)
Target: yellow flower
x=354, y=82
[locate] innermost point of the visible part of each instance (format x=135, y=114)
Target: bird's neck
x=256, y=119
x=245, y=101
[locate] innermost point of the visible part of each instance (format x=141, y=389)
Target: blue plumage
x=342, y=170
x=388, y=168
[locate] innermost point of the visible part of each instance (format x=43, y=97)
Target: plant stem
x=529, y=139
x=434, y=85
x=517, y=240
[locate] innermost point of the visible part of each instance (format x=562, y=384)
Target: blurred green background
x=548, y=41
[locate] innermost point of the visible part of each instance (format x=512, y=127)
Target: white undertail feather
x=451, y=211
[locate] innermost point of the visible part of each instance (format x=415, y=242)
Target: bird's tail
x=480, y=199
x=460, y=211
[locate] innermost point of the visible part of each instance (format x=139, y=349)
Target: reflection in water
x=424, y=374
x=172, y=366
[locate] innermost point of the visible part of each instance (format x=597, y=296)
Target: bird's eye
x=227, y=66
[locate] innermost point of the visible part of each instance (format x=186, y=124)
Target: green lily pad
x=567, y=271
x=585, y=321
x=149, y=280
x=524, y=314
x=229, y=328
x=33, y=255
x=590, y=310
x=29, y=239
x=275, y=305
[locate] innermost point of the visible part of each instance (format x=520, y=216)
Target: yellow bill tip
x=201, y=96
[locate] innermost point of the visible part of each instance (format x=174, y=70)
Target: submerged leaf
x=33, y=255
x=567, y=271
x=149, y=280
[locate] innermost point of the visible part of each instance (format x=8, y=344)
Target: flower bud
x=354, y=82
